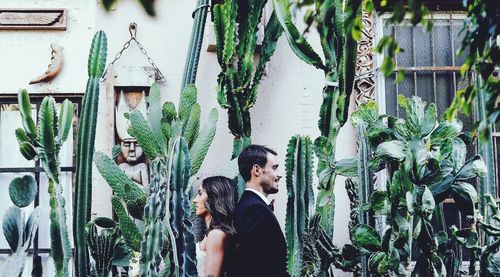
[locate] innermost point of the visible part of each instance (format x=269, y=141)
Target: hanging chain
x=133, y=32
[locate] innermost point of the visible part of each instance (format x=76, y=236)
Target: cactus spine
x=85, y=146
x=44, y=142
x=238, y=81
x=300, y=205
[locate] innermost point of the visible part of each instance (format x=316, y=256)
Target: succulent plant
x=236, y=24
x=43, y=142
x=85, y=150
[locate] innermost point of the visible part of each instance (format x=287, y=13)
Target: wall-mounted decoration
x=55, y=66
x=33, y=19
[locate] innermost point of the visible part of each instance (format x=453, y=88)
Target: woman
x=215, y=203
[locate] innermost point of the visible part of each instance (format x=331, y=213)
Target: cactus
x=18, y=233
x=193, y=56
x=176, y=146
x=334, y=20
x=107, y=247
x=22, y=190
x=85, y=150
x=300, y=205
x=44, y=143
x=238, y=80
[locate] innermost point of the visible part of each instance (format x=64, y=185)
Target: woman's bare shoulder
x=216, y=237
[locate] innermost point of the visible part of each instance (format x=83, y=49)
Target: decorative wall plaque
x=33, y=19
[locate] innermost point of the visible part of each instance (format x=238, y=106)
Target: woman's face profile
x=199, y=202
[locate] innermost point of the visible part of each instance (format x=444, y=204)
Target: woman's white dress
x=200, y=260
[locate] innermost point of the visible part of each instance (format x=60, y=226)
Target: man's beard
x=271, y=190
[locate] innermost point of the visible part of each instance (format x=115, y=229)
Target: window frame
x=36, y=170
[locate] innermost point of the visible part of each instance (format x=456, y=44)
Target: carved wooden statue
x=134, y=167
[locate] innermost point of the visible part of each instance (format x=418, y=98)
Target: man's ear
x=256, y=170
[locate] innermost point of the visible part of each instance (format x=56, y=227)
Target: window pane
x=442, y=43
x=404, y=37
x=444, y=90
x=422, y=47
x=425, y=87
x=10, y=120
x=5, y=179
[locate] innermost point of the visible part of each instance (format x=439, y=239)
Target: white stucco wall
x=288, y=101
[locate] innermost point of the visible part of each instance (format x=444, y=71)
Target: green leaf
x=379, y=202
x=22, y=190
x=13, y=227
x=465, y=196
x=299, y=45
x=375, y=260
x=423, y=200
x=65, y=120
x=346, y=167
x=475, y=167
x=392, y=149
x=366, y=237
x=202, y=143
x=387, y=66
x=25, y=110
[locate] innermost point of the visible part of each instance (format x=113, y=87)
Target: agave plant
x=176, y=147
x=44, y=143
x=334, y=21
x=426, y=161
x=236, y=26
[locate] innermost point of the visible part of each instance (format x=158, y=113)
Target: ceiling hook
x=132, y=28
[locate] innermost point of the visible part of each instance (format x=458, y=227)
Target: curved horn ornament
x=55, y=66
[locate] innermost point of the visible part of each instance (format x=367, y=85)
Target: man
x=261, y=245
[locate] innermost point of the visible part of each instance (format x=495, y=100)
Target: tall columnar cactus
x=194, y=50
x=85, y=150
x=44, y=143
x=176, y=145
x=300, y=205
x=236, y=26
x=107, y=247
x=18, y=233
x=337, y=23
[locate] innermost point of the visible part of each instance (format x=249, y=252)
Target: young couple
x=243, y=238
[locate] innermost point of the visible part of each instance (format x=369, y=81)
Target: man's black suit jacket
x=261, y=248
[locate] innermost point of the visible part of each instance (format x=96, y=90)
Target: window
x=432, y=72
x=13, y=164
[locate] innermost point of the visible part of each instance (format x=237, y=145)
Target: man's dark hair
x=250, y=156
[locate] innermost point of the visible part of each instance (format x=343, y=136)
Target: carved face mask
x=131, y=149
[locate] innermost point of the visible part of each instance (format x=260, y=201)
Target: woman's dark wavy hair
x=221, y=202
